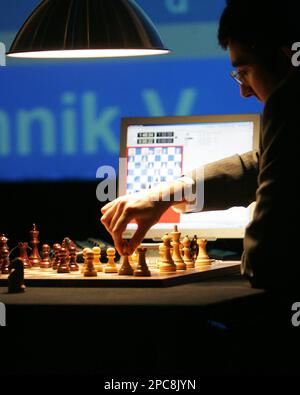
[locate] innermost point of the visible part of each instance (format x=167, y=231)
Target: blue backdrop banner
x=63, y=121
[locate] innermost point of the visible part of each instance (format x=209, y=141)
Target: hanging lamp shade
x=87, y=29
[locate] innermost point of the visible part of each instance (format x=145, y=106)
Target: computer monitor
x=161, y=149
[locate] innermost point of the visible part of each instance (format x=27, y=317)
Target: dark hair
x=260, y=23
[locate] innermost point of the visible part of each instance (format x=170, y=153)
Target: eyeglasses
x=237, y=77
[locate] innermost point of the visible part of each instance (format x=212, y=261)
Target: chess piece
x=142, y=267
x=111, y=266
x=97, y=262
x=74, y=267
x=3, y=242
x=181, y=249
x=67, y=243
x=16, y=276
x=166, y=263
x=45, y=263
x=89, y=270
x=56, y=258
x=202, y=258
x=23, y=255
x=125, y=268
x=5, y=261
x=194, y=248
x=34, y=258
x=63, y=266
x=187, y=253
x=3, y=246
x=161, y=250
x=84, y=252
x=176, y=256
x=133, y=259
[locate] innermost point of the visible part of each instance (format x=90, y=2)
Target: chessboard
x=37, y=277
x=96, y=264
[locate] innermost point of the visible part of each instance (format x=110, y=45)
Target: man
x=259, y=35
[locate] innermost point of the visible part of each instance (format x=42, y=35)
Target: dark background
x=59, y=209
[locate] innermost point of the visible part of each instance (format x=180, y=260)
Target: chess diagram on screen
x=148, y=166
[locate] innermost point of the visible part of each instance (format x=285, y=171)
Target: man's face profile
x=257, y=80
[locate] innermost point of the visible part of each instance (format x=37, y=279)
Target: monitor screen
x=161, y=149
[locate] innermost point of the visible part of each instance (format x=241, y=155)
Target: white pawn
x=84, y=252
x=187, y=253
x=203, y=259
x=89, y=270
x=111, y=266
x=97, y=262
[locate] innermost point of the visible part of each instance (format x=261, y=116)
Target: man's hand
x=118, y=213
x=145, y=208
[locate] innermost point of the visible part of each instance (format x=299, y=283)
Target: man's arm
x=228, y=182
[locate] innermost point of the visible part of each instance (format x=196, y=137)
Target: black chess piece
x=194, y=248
x=16, y=276
x=63, y=266
x=23, y=254
x=73, y=264
x=5, y=261
x=3, y=242
x=45, y=262
x=3, y=248
x=56, y=259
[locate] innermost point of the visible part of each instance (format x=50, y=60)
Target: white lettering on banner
x=186, y=101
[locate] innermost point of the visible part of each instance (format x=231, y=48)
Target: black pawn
x=63, y=266
x=73, y=264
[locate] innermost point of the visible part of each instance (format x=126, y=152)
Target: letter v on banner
x=177, y=6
